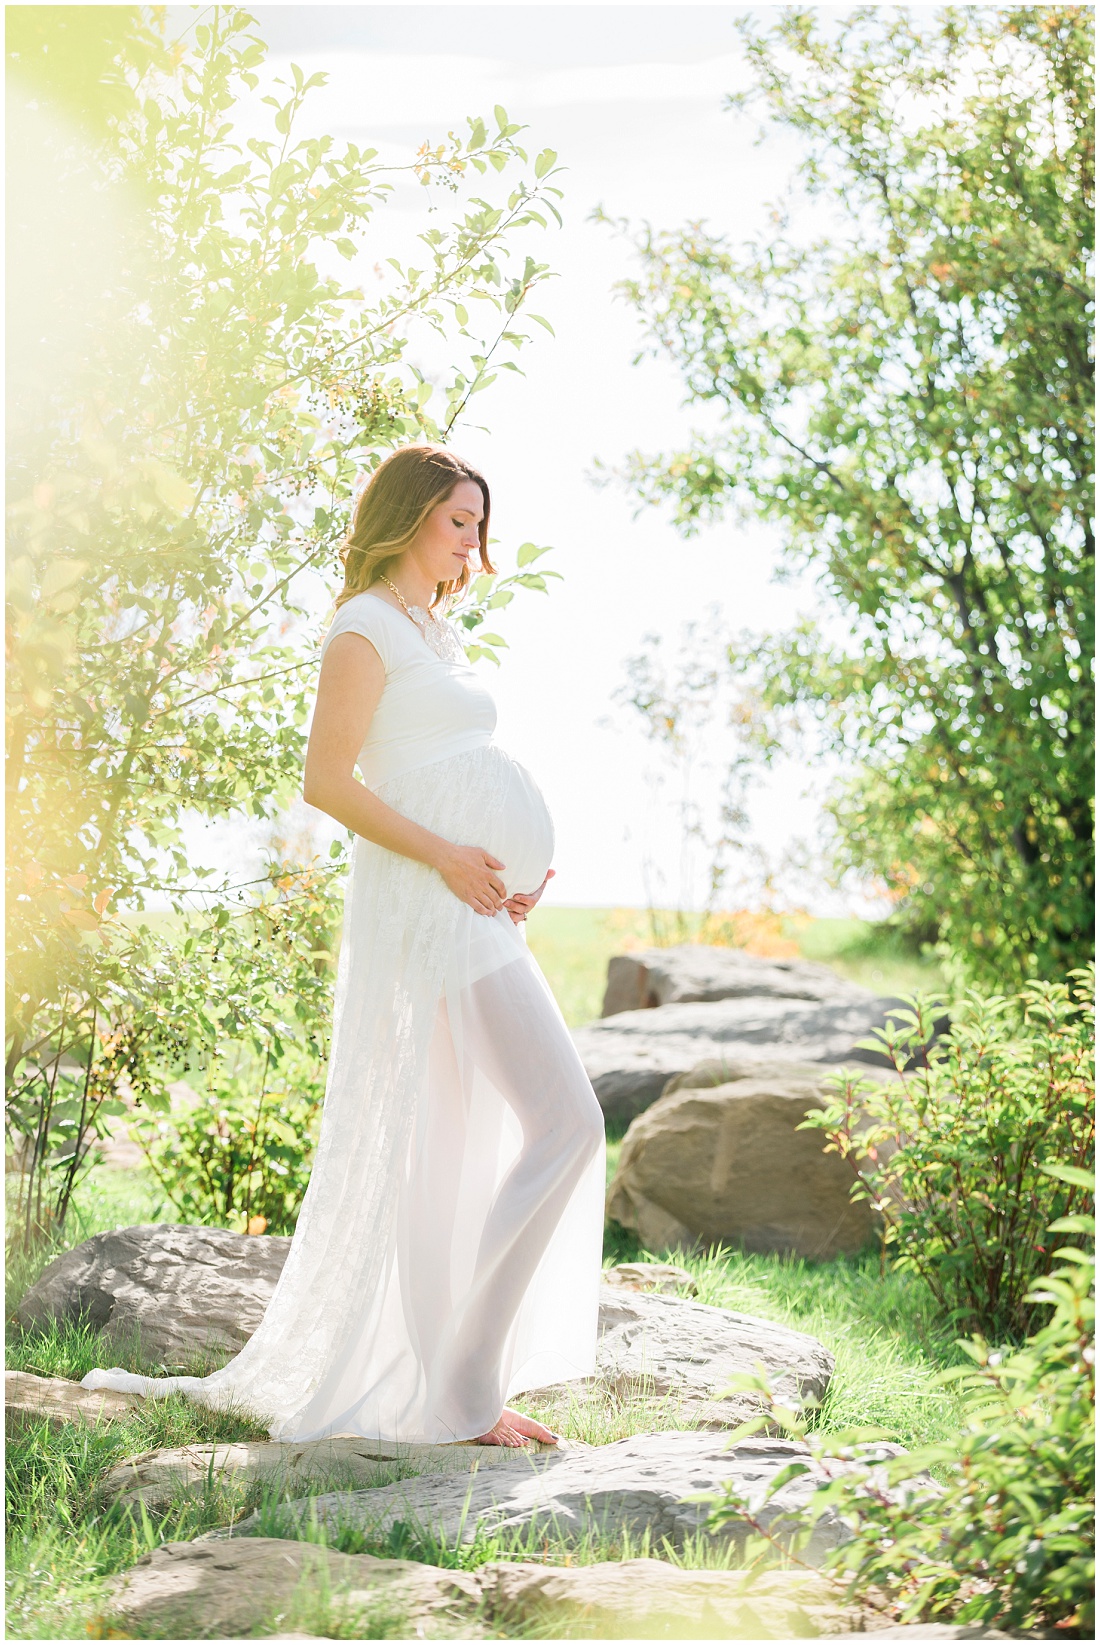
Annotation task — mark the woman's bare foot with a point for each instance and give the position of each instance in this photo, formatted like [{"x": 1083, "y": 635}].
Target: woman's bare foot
[
  {"x": 502, "y": 1433},
  {"x": 516, "y": 1429},
  {"x": 528, "y": 1426}
]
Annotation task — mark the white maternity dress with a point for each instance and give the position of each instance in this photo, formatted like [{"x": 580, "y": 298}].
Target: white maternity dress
[{"x": 447, "y": 1252}]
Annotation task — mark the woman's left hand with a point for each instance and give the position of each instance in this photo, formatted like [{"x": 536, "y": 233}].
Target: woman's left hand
[{"x": 522, "y": 903}]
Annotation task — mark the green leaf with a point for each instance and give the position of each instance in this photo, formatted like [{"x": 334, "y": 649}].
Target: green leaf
[{"x": 1072, "y": 1174}]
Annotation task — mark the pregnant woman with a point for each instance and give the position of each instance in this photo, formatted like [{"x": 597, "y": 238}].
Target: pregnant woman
[{"x": 447, "y": 1253}]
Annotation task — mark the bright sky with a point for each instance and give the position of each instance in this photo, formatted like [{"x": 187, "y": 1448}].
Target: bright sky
[{"x": 631, "y": 98}]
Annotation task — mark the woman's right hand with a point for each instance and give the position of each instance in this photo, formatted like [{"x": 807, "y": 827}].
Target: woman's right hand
[{"x": 467, "y": 870}]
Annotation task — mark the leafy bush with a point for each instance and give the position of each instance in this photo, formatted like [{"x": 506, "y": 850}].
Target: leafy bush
[
  {"x": 241, "y": 1156},
  {"x": 1008, "y": 1538},
  {"x": 952, "y": 1156},
  {"x": 238, "y": 987}
]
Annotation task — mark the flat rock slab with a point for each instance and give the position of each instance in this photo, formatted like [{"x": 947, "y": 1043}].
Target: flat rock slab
[
  {"x": 666, "y": 1350},
  {"x": 228, "y": 1590},
  {"x": 693, "y": 971},
  {"x": 28, "y": 1399},
  {"x": 631, "y": 1057},
  {"x": 649, "y": 1483},
  {"x": 174, "y": 1294},
  {"x": 156, "y": 1478},
  {"x": 685, "y": 1353}
]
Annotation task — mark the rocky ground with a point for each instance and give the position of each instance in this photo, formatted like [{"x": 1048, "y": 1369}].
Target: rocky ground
[
  {"x": 282, "y": 1569},
  {"x": 714, "y": 1058}
]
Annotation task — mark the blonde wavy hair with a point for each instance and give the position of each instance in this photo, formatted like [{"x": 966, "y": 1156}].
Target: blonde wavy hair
[{"x": 396, "y": 501}]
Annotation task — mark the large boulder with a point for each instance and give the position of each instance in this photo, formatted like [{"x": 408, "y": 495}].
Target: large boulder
[
  {"x": 191, "y": 1293},
  {"x": 631, "y": 1057},
  {"x": 171, "y": 1294},
  {"x": 727, "y": 1163},
  {"x": 692, "y": 971},
  {"x": 661, "y": 1483}
]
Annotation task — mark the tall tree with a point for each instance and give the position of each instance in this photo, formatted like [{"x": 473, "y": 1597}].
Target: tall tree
[
  {"x": 909, "y": 395},
  {"x": 195, "y": 391}
]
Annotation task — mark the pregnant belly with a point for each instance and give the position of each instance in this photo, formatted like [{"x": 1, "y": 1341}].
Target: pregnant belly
[
  {"x": 522, "y": 835},
  {"x": 483, "y": 798}
]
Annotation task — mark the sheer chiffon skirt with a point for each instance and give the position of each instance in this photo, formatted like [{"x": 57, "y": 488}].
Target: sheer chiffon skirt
[
  {"x": 492, "y": 1274},
  {"x": 447, "y": 1253}
]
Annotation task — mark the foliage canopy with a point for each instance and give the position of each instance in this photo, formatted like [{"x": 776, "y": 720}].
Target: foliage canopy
[{"x": 909, "y": 397}]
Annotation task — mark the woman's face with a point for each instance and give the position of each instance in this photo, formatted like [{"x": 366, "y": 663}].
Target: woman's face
[{"x": 448, "y": 539}]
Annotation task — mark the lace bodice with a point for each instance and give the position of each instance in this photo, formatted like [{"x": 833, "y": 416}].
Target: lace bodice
[{"x": 439, "y": 634}]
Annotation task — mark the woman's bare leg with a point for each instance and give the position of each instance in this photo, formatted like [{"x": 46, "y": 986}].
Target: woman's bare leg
[{"x": 518, "y": 1041}]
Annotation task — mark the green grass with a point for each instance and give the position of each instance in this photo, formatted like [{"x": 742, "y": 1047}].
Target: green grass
[
  {"x": 882, "y": 1328},
  {"x": 63, "y": 1542},
  {"x": 876, "y": 956},
  {"x": 537, "y": 1542}
]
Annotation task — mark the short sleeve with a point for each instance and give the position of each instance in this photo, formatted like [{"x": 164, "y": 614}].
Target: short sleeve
[{"x": 364, "y": 614}]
